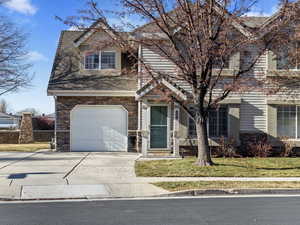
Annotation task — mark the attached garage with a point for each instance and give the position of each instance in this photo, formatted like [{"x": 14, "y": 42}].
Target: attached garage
[{"x": 99, "y": 128}]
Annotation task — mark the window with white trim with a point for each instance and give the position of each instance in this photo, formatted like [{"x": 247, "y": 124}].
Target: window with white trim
[
  {"x": 101, "y": 60},
  {"x": 288, "y": 121},
  {"x": 91, "y": 61},
  {"x": 219, "y": 64},
  {"x": 284, "y": 61},
  {"x": 108, "y": 60},
  {"x": 217, "y": 123}
]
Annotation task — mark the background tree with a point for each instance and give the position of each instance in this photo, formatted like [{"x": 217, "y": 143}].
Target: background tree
[
  {"x": 14, "y": 70},
  {"x": 198, "y": 37},
  {"x": 33, "y": 111},
  {"x": 4, "y": 106}
]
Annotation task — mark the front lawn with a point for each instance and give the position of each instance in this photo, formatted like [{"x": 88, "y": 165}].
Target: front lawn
[
  {"x": 225, "y": 167},
  {"x": 181, "y": 186},
  {"x": 24, "y": 147}
]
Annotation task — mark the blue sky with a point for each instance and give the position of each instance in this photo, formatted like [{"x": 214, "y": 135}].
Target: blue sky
[{"x": 36, "y": 17}]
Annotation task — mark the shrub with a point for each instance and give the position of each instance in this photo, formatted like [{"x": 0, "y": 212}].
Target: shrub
[
  {"x": 260, "y": 148},
  {"x": 287, "y": 147},
  {"x": 44, "y": 123},
  {"x": 226, "y": 148}
]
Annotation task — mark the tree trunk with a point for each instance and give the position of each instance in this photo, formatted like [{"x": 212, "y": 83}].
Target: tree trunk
[{"x": 204, "y": 158}]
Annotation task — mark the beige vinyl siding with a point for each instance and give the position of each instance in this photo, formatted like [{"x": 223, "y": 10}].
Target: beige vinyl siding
[
  {"x": 253, "y": 112},
  {"x": 253, "y": 108},
  {"x": 156, "y": 62}
]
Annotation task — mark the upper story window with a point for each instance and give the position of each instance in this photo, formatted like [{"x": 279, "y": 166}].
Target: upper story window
[
  {"x": 284, "y": 61},
  {"x": 218, "y": 64},
  {"x": 91, "y": 61},
  {"x": 217, "y": 123},
  {"x": 101, "y": 60},
  {"x": 108, "y": 60}
]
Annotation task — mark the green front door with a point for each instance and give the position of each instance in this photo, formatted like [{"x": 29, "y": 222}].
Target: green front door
[{"x": 158, "y": 127}]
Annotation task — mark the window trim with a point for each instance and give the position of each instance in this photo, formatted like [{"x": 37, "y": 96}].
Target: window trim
[
  {"x": 100, "y": 64},
  {"x": 288, "y": 69},
  {"x": 207, "y": 125},
  {"x": 296, "y": 138},
  {"x": 100, "y": 60},
  {"x": 84, "y": 60}
]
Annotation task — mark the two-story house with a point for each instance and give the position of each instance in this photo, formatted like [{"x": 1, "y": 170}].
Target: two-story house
[{"x": 99, "y": 107}]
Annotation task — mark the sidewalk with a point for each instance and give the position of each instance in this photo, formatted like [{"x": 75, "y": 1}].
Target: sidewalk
[
  {"x": 178, "y": 179},
  {"x": 138, "y": 187},
  {"x": 83, "y": 191}
]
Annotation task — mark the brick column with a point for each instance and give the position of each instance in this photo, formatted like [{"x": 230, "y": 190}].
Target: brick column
[{"x": 26, "y": 131}]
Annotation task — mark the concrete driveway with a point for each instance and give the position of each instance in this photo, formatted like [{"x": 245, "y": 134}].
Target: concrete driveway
[{"x": 70, "y": 175}]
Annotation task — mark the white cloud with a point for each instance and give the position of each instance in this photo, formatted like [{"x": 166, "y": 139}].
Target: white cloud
[
  {"x": 73, "y": 28},
  {"x": 22, "y": 6},
  {"x": 34, "y": 56},
  {"x": 257, "y": 12}
]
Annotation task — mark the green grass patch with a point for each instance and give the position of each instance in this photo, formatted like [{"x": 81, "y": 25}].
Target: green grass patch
[
  {"x": 24, "y": 147},
  {"x": 181, "y": 186},
  {"x": 225, "y": 167}
]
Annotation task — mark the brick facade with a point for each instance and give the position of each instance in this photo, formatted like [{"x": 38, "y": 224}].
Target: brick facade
[{"x": 65, "y": 104}]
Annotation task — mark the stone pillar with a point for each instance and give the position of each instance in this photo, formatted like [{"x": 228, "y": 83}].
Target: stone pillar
[{"x": 26, "y": 131}]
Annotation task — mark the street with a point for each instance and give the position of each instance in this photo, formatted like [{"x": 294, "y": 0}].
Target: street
[{"x": 215, "y": 211}]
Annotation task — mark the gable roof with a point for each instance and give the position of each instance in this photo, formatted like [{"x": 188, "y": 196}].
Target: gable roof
[
  {"x": 84, "y": 80},
  {"x": 151, "y": 85}
]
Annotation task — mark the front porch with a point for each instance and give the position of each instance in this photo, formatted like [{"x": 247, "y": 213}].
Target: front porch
[
  {"x": 160, "y": 126},
  {"x": 159, "y": 119}
]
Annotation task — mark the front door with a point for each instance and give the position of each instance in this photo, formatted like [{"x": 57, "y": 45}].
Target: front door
[{"x": 159, "y": 127}]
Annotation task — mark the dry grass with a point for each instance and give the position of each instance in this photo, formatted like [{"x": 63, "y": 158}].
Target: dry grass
[
  {"x": 181, "y": 186},
  {"x": 225, "y": 167},
  {"x": 24, "y": 147}
]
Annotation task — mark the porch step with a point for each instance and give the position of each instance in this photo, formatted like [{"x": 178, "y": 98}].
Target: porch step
[{"x": 159, "y": 152}]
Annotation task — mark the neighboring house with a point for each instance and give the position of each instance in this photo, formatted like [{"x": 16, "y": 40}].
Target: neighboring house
[
  {"x": 99, "y": 109},
  {"x": 8, "y": 121}
]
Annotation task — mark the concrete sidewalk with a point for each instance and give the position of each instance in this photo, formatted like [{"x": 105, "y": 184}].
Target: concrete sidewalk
[
  {"x": 178, "y": 179},
  {"x": 81, "y": 191},
  {"x": 53, "y": 175}
]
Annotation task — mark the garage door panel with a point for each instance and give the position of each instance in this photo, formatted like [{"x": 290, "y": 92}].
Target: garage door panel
[{"x": 99, "y": 128}]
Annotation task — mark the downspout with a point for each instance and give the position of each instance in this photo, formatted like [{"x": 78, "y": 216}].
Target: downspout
[
  {"x": 139, "y": 86},
  {"x": 55, "y": 114},
  {"x": 139, "y": 102}
]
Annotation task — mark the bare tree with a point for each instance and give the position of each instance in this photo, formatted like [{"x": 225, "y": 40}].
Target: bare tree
[
  {"x": 33, "y": 111},
  {"x": 14, "y": 70},
  {"x": 4, "y": 107},
  {"x": 198, "y": 37}
]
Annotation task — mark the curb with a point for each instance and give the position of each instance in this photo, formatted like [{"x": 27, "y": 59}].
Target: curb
[
  {"x": 201, "y": 192},
  {"x": 187, "y": 193}
]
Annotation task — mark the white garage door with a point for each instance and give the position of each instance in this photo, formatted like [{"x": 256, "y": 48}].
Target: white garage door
[{"x": 99, "y": 128}]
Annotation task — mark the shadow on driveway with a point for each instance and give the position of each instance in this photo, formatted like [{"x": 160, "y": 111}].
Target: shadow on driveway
[{"x": 24, "y": 175}]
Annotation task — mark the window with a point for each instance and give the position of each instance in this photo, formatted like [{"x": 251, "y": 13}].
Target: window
[
  {"x": 101, "y": 60},
  {"x": 288, "y": 121},
  {"x": 218, "y": 64},
  {"x": 108, "y": 60},
  {"x": 217, "y": 123},
  {"x": 283, "y": 58},
  {"x": 91, "y": 62}
]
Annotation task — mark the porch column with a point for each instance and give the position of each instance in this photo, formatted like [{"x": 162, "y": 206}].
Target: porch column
[
  {"x": 176, "y": 130},
  {"x": 144, "y": 129}
]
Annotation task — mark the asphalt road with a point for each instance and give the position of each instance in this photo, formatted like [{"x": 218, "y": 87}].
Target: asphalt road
[{"x": 223, "y": 211}]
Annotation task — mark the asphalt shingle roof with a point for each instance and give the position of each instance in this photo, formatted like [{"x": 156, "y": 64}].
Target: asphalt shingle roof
[{"x": 66, "y": 74}]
